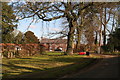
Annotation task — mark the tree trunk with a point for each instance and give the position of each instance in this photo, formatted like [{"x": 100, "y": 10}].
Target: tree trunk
[
  {"x": 100, "y": 35},
  {"x": 104, "y": 39},
  {"x": 70, "y": 40},
  {"x": 79, "y": 29},
  {"x": 96, "y": 35},
  {"x": 78, "y": 37}
]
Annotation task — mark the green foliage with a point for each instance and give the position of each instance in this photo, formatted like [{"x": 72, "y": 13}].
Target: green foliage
[
  {"x": 8, "y": 38},
  {"x": 5, "y": 54},
  {"x": 42, "y": 49},
  {"x": 114, "y": 40},
  {"x": 18, "y": 38},
  {"x": 105, "y": 48},
  {"x": 8, "y": 23},
  {"x": 30, "y": 37}
]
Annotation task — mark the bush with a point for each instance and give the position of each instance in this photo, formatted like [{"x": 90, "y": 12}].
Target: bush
[
  {"x": 106, "y": 48},
  {"x": 5, "y": 54},
  {"x": 42, "y": 49}
]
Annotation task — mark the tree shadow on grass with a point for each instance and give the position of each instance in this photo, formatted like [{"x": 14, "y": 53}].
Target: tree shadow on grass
[
  {"x": 74, "y": 59},
  {"x": 60, "y": 71},
  {"x": 77, "y": 64},
  {"x": 25, "y": 58},
  {"x": 12, "y": 66},
  {"x": 51, "y": 72},
  {"x": 16, "y": 67}
]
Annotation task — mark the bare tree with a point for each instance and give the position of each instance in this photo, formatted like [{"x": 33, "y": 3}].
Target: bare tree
[
  {"x": 48, "y": 11},
  {"x": 75, "y": 13}
]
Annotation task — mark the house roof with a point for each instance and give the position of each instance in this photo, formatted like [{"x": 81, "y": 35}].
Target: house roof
[
  {"x": 55, "y": 41},
  {"x": 32, "y": 44},
  {"x": 12, "y": 44},
  {"x": 7, "y": 44}
]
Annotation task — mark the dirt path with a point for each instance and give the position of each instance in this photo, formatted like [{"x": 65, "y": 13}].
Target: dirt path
[{"x": 107, "y": 68}]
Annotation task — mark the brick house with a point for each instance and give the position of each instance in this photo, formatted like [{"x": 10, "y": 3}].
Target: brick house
[{"x": 53, "y": 44}]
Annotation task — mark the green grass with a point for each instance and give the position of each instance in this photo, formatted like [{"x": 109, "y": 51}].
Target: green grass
[
  {"x": 55, "y": 53},
  {"x": 50, "y": 65},
  {"x": 112, "y": 53}
]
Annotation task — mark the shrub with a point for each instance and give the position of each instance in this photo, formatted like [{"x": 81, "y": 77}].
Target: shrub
[{"x": 42, "y": 49}]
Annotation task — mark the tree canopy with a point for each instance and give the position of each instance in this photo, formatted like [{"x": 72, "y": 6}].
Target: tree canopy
[
  {"x": 114, "y": 40},
  {"x": 8, "y": 23},
  {"x": 79, "y": 15},
  {"x": 30, "y": 37}
]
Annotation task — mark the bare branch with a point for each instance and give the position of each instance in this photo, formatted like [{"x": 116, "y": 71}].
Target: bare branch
[
  {"x": 50, "y": 19},
  {"x": 109, "y": 16}
]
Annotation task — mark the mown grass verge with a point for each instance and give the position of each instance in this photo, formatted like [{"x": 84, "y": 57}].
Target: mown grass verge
[{"x": 44, "y": 66}]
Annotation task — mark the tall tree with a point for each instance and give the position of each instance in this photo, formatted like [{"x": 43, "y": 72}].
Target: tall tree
[
  {"x": 30, "y": 37},
  {"x": 113, "y": 41},
  {"x": 80, "y": 27},
  {"x": 18, "y": 38},
  {"x": 105, "y": 13},
  {"x": 50, "y": 11},
  {"x": 107, "y": 10},
  {"x": 8, "y": 23}
]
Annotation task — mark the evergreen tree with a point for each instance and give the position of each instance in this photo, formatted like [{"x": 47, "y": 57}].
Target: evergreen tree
[
  {"x": 18, "y": 38},
  {"x": 8, "y": 23},
  {"x": 114, "y": 40}
]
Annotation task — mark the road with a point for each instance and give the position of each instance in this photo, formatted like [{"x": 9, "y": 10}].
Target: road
[{"x": 107, "y": 68}]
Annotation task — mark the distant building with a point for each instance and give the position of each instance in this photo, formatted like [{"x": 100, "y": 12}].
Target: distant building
[{"x": 53, "y": 44}]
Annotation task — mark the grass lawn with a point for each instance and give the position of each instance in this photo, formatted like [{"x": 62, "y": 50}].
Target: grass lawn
[
  {"x": 113, "y": 53},
  {"x": 55, "y": 53},
  {"x": 52, "y": 65}
]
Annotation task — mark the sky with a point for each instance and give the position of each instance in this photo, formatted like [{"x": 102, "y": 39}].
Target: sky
[{"x": 40, "y": 29}]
